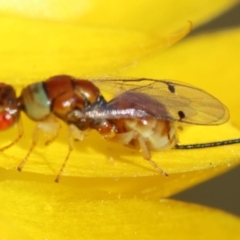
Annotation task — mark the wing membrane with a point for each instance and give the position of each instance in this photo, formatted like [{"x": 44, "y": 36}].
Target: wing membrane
[{"x": 161, "y": 99}]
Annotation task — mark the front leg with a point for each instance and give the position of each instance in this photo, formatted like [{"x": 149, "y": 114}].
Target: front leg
[{"x": 48, "y": 126}]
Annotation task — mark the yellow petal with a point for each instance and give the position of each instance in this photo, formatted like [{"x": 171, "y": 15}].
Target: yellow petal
[
  {"x": 33, "y": 50},
  {"x": 62, "y": 211},
  {"x": 208, "y": 61},
  {"x": 104, "y": 206},
  {"x": 120, "y": 13},
  {"x": 8, "y": 230}
]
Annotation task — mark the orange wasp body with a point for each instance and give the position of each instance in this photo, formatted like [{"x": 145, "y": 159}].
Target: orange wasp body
[{"x": 141, "y": 114}]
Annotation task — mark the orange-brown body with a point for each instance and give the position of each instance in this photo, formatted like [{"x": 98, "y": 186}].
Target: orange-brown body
[{"x": 141, "y": 115}]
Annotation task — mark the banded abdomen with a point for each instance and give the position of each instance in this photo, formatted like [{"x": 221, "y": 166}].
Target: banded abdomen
[{"x": 156, "y": 134}]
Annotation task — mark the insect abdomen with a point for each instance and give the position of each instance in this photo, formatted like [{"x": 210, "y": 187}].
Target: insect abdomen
[{"x": 157, "y": 134}]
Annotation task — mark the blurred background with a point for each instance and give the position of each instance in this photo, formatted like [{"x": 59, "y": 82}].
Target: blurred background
[{"x": 222, "y": 192}]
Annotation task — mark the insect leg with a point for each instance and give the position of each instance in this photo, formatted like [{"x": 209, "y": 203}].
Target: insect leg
[
  {"x": 55, "y": 126},
  {"x": 48, "y": 126},
  {"x": 147, "y": 156},
  {"x": 34, "y": 143},
  {"x": 122, "y": 138},
  {"x": 74, "y": 133},
  {"x": 20, "y": 134}
]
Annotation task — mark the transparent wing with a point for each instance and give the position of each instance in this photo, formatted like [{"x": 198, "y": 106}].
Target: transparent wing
[{"x": 161, "y": 99}]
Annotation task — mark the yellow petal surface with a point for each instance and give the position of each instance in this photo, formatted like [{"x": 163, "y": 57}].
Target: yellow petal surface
[
  {"x": 120, "y": 13},
  {"x": 62, "y": 211},
  {"x": 107, "y": 190},
  {"x": 33, "y": 50}
]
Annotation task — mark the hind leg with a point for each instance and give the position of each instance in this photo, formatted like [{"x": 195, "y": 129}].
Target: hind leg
[
  {"x": 122, "y": 138},
  {"x": 146, "y": 154},
  {"x": 126, "y": 138}
]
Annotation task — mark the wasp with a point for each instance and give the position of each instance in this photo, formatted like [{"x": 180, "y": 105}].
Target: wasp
[{"x": 142, "y": 114}]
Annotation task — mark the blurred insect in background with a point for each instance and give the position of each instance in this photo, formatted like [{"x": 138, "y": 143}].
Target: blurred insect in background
[{"x": 141, "y": 114}]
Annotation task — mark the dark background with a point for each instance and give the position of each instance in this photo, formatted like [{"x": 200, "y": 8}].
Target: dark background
[{"x": 222, "y": 192}]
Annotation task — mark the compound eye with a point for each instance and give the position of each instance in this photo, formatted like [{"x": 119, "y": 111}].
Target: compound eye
[{"x": 6, "y": 120}]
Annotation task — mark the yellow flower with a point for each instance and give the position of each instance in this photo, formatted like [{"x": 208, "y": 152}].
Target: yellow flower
[{"x": 109, "y": 191}]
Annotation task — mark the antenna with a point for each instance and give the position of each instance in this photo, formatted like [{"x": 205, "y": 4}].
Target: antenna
[{"x": 208, "y": 145}]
